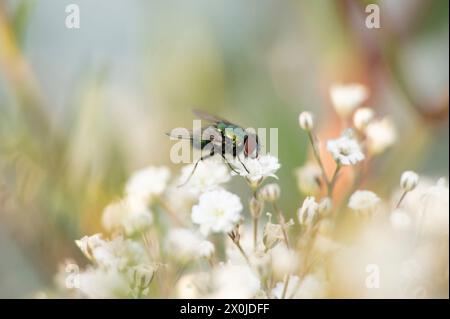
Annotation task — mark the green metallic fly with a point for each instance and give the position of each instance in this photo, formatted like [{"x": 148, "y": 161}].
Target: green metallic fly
[{"x": 221, "y": 137}]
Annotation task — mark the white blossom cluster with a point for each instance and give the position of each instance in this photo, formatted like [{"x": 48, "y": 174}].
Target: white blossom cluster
[{"x": 202, "y": 240}]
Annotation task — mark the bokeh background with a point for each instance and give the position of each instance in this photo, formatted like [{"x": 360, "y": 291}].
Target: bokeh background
[{"x": 82, "y": 108}]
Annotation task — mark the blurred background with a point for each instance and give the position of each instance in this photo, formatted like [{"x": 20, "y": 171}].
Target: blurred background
[{"x": 80, "y": 109}]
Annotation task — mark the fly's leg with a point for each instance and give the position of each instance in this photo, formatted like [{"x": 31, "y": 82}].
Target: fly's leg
[
  {"x": 195, "y": 167},
  {"x": 236, "y": 155},
  {"x": 229, "y": 165},
  {"x": 243, "y": 165}
]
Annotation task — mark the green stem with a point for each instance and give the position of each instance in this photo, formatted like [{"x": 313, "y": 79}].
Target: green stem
[
  {"x": 317, "y": 156},
  {"x": 255, "y": 233},
  {"x": 332, "y": 183}
]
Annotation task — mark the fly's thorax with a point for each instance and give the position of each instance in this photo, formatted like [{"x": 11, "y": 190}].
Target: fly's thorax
[{"x": 234, "y": 133}]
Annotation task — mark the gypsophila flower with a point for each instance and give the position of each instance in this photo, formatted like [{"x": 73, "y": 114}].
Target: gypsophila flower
[
  {"x": 363, "y": 200},
  {"x": 409, "y": 181},
  {"x": 209, "y": 174},
  {"x": 141, "y": 276},
  {"x": 306, "y": 121},
  {"x": 103, "y": 283},
  {"x": 217, "y": 211},
  {"x": 309, "y": 178},
  {"x": 206, "y": 249},
  {"x": 293, "y": 285},
  {"x": 362, "y": 117},
  {"x": 380, "y": 135},
  {"x": 148, "y": 182},
  {"x": 345, "y": 150},
  {"x": 285, "y": 261},
  {"x": 311, "y": 287},
  {"x": 308, "y": 212},
  {"x": 185, "y": 244},
  {"x": 117, "y": 253},
  {"x": 400, "y": 220},
  {"x": 129, "y": 215},
  {"x": 193, "y": 286},
  {"x": 346, "y": 98},
  {"x": 235, "y": 281},
  {"x": 434, "y": 210},
  {"x": 259, "y": 168},
  {"x": 270, "y": 192},
  {"x": 88, "y": 244}
]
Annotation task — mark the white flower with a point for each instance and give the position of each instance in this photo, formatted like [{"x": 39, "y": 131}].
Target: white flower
[
  {"x": 306, "y": 121},
  {"x": 193, "y": 286},
  {"x": 142, "y": 275},
  {"x": 409, "y": 181},
  {"x": 130, "y": 215},
  {"x": 345, "y": 150},
  {"x": 346, "y": 98},
  {"x": 206, "y": 249},
  {"x": 148, "y": 182},
  {"x": 270, "y": 192},
  {"x": 88, "y": 244},
  {"x": 380, "y": 135},
  {"x": 235, "y": 281},
  {"x": 208, "y": 175},
  {"x": 307, "y": 213},
  {"x": 363, "y": 200},
  {"x": 116, "y": 254},
  {"x": 185, "y": 244},
  {"x": 259, "y": 168},
  {"x": 284, "y": 260},
  {"x": 309, "y": 178},
  {"x": 362, "y": 117},
  {"x": 434, "y": 217},
  {"x": 103, "y": 283},
  {"x": 293, "y": 284},
  {"x": 217, "y": 211},
  {"x": 400, "y": 220},
  {"x": 311, "y": 287}
]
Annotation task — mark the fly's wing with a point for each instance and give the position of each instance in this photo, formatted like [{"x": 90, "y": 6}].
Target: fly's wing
[
  {"x": 210, "y": 117},
  {"x": 200, "y": 138},
  {"x": 213, "y": 137}
]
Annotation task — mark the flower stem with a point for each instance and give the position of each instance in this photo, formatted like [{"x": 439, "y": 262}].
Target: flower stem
[
  {"x": 317, "y": 156},
  {"x": 255, "y": 233},
  {"x": 238, "y": 245},
  {"x": 332, "y": 183},
  {"x": 286, "y": 283},
  {"x": 401, "y": 199}
]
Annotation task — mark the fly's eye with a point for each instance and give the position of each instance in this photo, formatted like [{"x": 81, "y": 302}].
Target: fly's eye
[{"x": 251, "y": 145}]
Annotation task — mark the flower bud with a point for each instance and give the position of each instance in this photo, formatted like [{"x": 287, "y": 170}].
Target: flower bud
[
  {"x": 273, "y": 234},
  {"x": 206, "y": 249},
  {"x": 409, "y": 181},
  {"x": 142, "y": 276},
  {"x": 306, "y": 121},
  {"x": 363, "y": 116},
  {"x": 256, "y": 207},
  {"x": 307, "y": 213},
  {"x": 324, "y": 206},
  {"x": 269, "y": 193}
]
